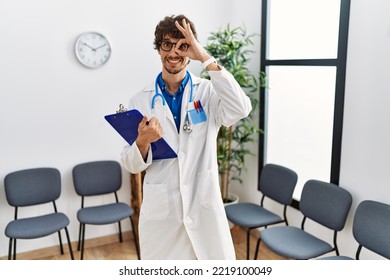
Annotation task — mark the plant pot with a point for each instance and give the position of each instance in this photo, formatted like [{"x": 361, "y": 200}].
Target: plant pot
[{"x": 233, "y": 199}]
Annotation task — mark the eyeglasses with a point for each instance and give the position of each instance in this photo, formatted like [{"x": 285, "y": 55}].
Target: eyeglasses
[{"x": 167, "y": 46}]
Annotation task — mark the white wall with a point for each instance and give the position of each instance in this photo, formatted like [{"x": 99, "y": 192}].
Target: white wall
[
  {"x": 52, "y": 108},
  {"x": 365, "y": 157}
]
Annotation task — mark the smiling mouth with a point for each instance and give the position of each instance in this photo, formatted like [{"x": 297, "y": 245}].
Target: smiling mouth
[{"x": 174, "y": 60}]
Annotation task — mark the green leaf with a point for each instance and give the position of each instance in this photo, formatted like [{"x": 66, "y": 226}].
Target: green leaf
[{"x": 233, "y": 49}]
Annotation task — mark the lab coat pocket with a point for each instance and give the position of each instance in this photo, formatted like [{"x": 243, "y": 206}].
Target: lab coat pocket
[
  {"x": 208, "y": 192},
  {"x": 155, "y": 204}
]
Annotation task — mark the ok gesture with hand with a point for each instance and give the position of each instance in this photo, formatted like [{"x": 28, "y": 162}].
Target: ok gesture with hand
[{"x": 195, "y": 50}]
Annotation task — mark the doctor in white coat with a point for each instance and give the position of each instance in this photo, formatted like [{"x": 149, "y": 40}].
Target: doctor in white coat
[{"x": 182, "y": 214}]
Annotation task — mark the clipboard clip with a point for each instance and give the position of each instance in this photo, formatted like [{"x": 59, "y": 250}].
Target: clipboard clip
[{"x": 121, "y": 109}]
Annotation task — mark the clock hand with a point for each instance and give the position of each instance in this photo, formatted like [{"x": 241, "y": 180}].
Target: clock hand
[
  {"x": 100, "y": 47},
  {"x": 85, "y": 44}
]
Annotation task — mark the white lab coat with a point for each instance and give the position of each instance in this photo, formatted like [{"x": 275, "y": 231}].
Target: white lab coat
[{"x": 182, "y": 214}]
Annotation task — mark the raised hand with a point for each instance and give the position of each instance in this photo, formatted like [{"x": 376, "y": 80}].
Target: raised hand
[{"x": 195, "y": 50}]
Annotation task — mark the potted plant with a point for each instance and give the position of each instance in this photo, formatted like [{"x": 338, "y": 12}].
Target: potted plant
[{"x": 229, "y": 46}]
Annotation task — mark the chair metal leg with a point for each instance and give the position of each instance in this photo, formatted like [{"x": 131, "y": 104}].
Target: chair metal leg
[
  {"x": 257, "y": 248},
  {"x": 10, "y": 248},
  {"x": 69, "y": 244},
  {"x": 358, "y": 252},
  {"x": 136, "y": 241},
  {"x": 15, "y": 248},
  {"x": 120, "y": 232},
  {"x": 336, "y": 248},
  {"x": 82, "y": 241},
  {"x": 79, "y": 244},
  {"x": 61, "y": 247},
  {"x": 248, "y": 233}
]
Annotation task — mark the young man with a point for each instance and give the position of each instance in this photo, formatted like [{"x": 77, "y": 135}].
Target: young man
[{"x": 182, "y": 214}]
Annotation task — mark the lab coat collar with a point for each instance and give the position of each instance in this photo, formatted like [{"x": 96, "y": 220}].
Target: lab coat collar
[{"x": 195, "y": 80}]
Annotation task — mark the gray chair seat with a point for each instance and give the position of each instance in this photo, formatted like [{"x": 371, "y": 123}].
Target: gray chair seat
[
  {"x": 276, "y": 183},
  {"x": 326, "y": 204},
  {"x": 35, "y": 227},
  {"x": 94, "y": 179},
  {"x": 294, "y": 243},
  {"x": 104, "y": 214},
  {"x": 34, "y": 187},
  {"x": 371, "y": 229},
  {"x": 251, "y": 215}
]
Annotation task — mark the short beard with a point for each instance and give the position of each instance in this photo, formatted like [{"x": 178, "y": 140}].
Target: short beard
[{"x": 174, "y": 71}]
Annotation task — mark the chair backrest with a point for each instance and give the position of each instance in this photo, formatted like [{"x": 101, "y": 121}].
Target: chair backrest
[
  {"x": 97, "y": 177},
  {"x": 325, "y": 203},
  {"x": 278, "y": 183},
  {"x": 32, "y": 186},
  {"x": 371, "y": 227}
]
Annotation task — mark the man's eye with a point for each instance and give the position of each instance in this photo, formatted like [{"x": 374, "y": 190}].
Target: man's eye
[
  {"x": 183, "y": 47},
  {"x": 167, "y": 44}
]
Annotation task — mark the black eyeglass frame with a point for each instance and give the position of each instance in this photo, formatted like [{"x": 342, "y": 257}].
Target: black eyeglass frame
[{"x": 183, "y": 47}]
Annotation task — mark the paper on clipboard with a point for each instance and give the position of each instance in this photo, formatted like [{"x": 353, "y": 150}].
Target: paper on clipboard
[{"x": 126, "y": 124}]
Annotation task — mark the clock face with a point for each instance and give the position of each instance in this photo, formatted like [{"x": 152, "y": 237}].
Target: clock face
[{"x": 92, "y": 49}]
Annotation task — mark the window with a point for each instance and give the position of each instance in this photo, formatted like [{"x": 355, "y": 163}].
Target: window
[{"x": 303, "y": 52}]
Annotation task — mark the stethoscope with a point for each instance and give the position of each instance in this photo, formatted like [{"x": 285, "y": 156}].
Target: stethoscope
[{"x": 187, "y": 127}]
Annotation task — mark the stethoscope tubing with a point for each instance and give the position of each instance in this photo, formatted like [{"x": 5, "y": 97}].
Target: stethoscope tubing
[{"x": 187, "y": 125}]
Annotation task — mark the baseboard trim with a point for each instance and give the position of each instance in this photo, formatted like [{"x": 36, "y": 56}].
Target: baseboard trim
[{"x": 54, "y": 250}]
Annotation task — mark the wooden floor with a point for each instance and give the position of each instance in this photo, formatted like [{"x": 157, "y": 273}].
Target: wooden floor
[
  {"x": 111, "y": 249},
  {"x": 239, "y": 239}
]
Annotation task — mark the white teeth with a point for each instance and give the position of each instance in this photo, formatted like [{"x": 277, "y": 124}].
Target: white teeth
[{"x": 174, "y": 60}]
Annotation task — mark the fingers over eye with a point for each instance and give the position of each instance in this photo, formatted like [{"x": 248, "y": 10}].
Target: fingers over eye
[{"x": 179, "y": 26}]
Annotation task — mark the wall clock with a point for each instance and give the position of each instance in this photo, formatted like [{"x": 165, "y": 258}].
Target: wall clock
[{"x": 92, "y": 49}]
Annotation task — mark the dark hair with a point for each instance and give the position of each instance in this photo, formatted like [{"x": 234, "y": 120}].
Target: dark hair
[{"x": 167, "y": 27}]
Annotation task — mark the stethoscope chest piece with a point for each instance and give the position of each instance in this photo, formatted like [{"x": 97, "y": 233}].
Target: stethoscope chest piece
[{"x": 187, "y": 127}]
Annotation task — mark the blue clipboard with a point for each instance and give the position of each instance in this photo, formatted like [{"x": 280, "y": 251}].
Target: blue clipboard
[{"x": 126, "y": 124}]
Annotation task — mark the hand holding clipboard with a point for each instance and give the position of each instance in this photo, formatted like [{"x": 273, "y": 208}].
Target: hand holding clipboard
[{"x": 126, "y": 124}]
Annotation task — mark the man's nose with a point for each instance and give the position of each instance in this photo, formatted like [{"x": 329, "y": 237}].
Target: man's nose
[{"x": 173, "y": 50}]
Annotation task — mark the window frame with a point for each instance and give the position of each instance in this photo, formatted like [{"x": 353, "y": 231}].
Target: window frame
[{"x": 339, "y": 63}]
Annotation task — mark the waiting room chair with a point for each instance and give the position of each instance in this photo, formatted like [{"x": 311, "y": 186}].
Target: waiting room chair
[
  {"x": 276, "y": 183},
  {"x": 371, "y": 229},
  {"x": 324, "y": 203},
  {"x": 95, "y": 179},
  {"x": 33, "y": 187}
]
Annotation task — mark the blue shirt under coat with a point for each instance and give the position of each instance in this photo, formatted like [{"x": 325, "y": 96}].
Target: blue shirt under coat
[{"x": 174, "y": 101}]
